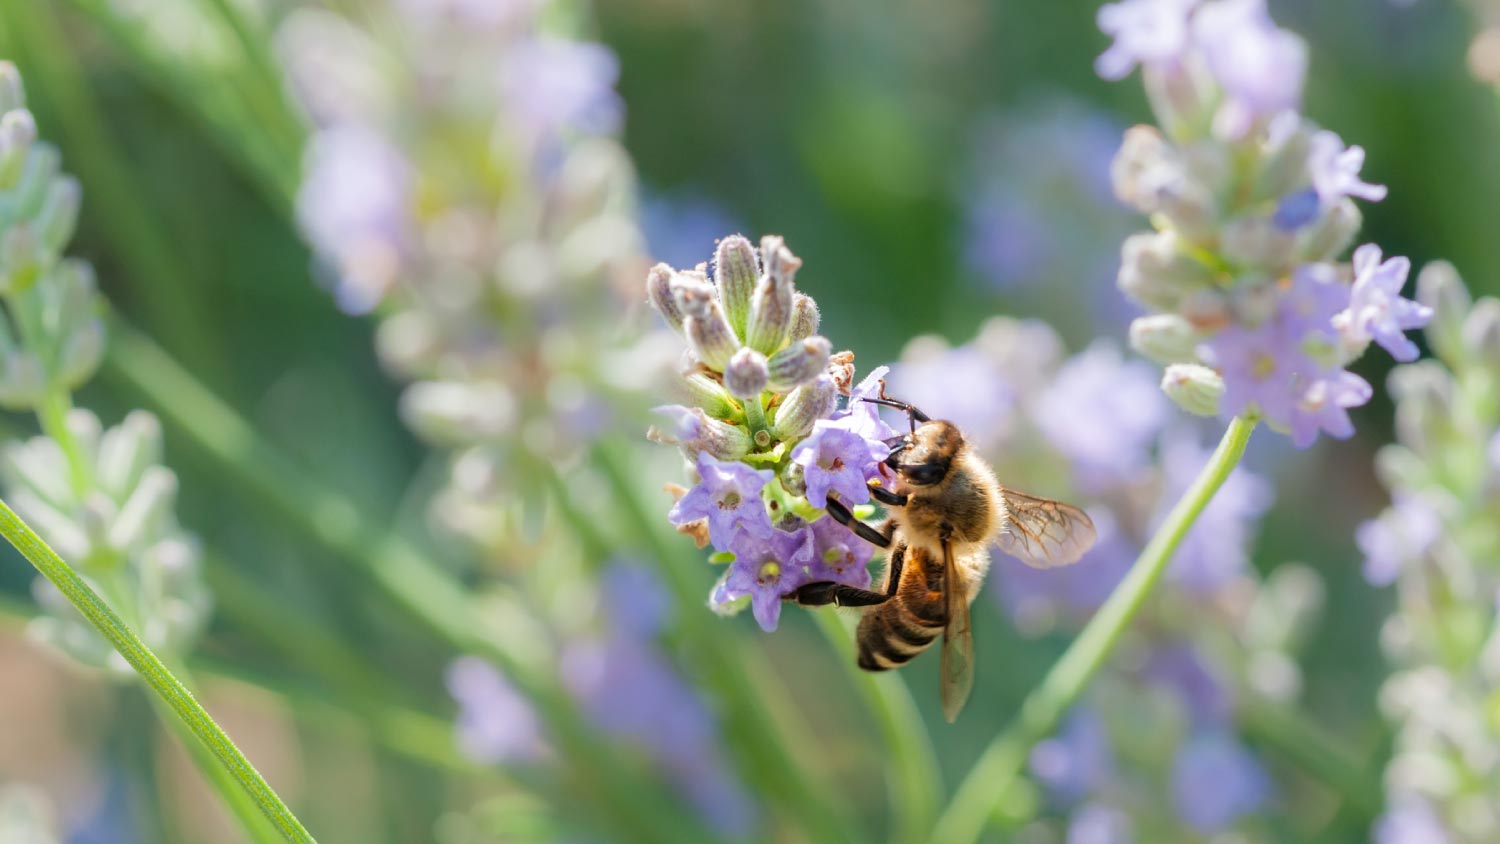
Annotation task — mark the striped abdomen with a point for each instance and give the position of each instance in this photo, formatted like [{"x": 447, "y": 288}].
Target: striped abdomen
[{"x": 892, "y": 633}]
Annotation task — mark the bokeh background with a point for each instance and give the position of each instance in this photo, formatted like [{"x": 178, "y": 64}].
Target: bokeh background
[{"x": 934, "y": 165}]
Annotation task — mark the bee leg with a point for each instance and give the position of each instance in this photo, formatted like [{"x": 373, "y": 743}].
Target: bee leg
[
  {"x": 828, "y": 592},
  {"x": 885, "y": 496},
  {"x": 844, "y": 516}
]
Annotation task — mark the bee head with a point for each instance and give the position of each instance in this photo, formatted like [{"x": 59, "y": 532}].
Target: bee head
[{"x": 923, "y": 457}]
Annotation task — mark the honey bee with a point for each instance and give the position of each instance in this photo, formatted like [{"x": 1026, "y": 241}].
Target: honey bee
[{"x": 946, "y": 509}]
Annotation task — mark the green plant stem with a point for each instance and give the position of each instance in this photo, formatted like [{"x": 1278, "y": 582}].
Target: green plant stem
[
  {"x": 913, "y": 779},
  {"x": 1308, "y": 746},
  {"x": 150, "y": 667},
  {"x": 1000, "y": 764}
]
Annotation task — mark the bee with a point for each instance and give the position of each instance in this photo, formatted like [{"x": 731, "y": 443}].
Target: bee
[{"x": 945, "y": 511}]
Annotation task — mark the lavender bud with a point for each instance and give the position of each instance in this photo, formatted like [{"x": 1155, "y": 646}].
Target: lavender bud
[
  {"x": 1196, "y": 389},
  {"x": 20, "y": 258},
  {"x": 457, "y": 412},
  {"x": 17, "y": 134},
  {"x": 1331, "y": 234},
  {"x": 1481, "y": 332},
  {"x": 770, "y": 315},
  {"x": 1164, "y": 338},
  {"x": 1154, "y": 272},
  {"x": 803, "y": 407},
  {"x": 59, "y": 214},
  {"x": 1180, "y": 93},
  {"x": 1283, "y": 167},
  {"x": 709, "y": 335},
  {"x": 735, "y": 270},
  {"x": 1257, "y": 241},
  {"x": 693, "y": 431},
  {"x": 799, "y": 363},
  {"x": 746, "y": 375},
  {"x": 659, "y": 293},
  {"x": 140, "y": 517},
  {"x": 780, "y": 264},
  {"x": 805, "y": 317},
  {"x": 1425, "y": 403},
  {"x": 698, "y": 390},
  {"x": 1151, "y": 176},
  {"x": 12, "y": 92},
  {"x": 23, "y": 383},
  {"x": 126, "y": 450},
  {"x": 1440, "y": 288}
]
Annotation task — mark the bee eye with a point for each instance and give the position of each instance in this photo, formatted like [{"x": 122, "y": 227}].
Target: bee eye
[{"x": 923, "y": 474}]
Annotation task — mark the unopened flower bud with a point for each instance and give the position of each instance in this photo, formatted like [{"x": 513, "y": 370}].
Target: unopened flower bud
[
  {"x": 1330, "y": 235},
  {"x": 1164, "y": 338},
  {"x": 1283, "y": 165},
  {"x": 456, "y": 412},
  {"x": 1258, "y": 242},
  {"x": 1425, "y": 399},
  {"x": 1150, "y": 175},
  {"x": 779, "y": 262},
  {"x": 141, "y": 515},
  {"x": 12, "y": 92},
  {"x": 1481, "y": 332},
  {"x": 735, "y": 270},
  {"x": 1154, "y": 272},
  {"x": 1196, "y": 389},
  {"x": 17, "y": 134},
  {"x": 59, "y": 214},
  {"x": 770, "y": 315},
  {"x": 126, "y": 450},
  {"x": 709, "y": 336},
  {"x": 698, "y": 390},
  {"x": 746, "y": 374},
  {"x": 805, "y": 317},
  {"x": 1440, "y": 288},
  {"x": 799, "y": 363},
  {"x": 659, "y": 293},
  {"x": 803, "y": 407},
  {"x": 693, "y": 431},
  {"x": 20, "y": 258},
  {"x": 1180, "y": 93}
]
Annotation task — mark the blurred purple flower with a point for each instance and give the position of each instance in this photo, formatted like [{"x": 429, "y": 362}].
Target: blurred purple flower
[
  {"x": 1179, "y": 669},
  {"x": 765, "y": 570},
  {"x": 1098, "y": 823},
  {"x": 1215, "y": 550},
  {"x": 729, "y": 497},
  {"x": 1376, "y": 309},
  {"x": 354, "y": 207},
  {"x": 1410, "y": 821},
  {"x": 1078, "y": 761},
  {"x": 496, "y": 724},
  {"x": 838, "y": 555},
  {"x": 1259, "y": 65},
  {"x": 836, "y": 459},
  {"x": 682, "y": 228},
  {"x": 962, "y": 385},
  {"x": 1007, "y": 242},
  {"x": 470, "y": 14},
  {"x": 1258, "y": 365},
  {"x": 1099, "y": 384},
  {"x": 1335, "y": 170},
  {"x": 1401, "y": 536},
  {"x": 1216, "y": 781},
  {"x": 1145, "y": 32},
  {"x": 638, "y": 604},
  {"x": 1324, "y": 406},
  {"x": 556, "y": 86}
]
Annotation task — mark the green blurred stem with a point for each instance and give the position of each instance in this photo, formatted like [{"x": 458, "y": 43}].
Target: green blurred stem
[
  {"x": 1310, "y": 747},
  {"x": 1000, "y": 764},
  {"x": 913, "y": 779},
  {"x": 150, "y": 667}
]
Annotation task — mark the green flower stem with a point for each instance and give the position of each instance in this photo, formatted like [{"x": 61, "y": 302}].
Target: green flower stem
[
  {"x": 999, "y": 766},
  {"x": 913, "y": 779},
  {"x": 744, "y": 686},
  {"x": 52, "y": 416},
  {"x": 1308, "y": 746},
  {"x": 163, "y": 682},
  {"x": 402, "y": 574}
]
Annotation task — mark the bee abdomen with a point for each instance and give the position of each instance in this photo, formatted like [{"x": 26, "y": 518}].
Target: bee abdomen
[{"x": 890, "y": 637}]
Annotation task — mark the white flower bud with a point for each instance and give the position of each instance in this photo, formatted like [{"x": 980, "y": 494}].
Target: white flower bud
[
  {"x": 1153, "y": 177},
  {"x": 693, "y": 431},
  {"x": 457, "y": 412},
  {"x": 1164, "y": 338},
  {"x": 735, "y": 270},
  {"x": 770, "y": 315},
  {"x": 805, "y": 317},
  {"x": 1331, "y": 234},
  {"x": 746, "y": 375},
  {"x": 1257, "y": 241},
  {"x": 1481, "y": 332},
  {"x": 803, "y": 407},
  {"x": 1440, "y": 288},
  {"x": 59, "y": 214},
  {"x": 799, "y": 363},
  {"x": 1196, "y": 389},
  {"x": 698, "y": 390},
  {"x": 659, "y": 294},
  {"x": 17, "y": 134},
  {"x": 1154, "y": 272},
  {"x": 143, "y": 512},
  {"x": 126, "y": 450}
]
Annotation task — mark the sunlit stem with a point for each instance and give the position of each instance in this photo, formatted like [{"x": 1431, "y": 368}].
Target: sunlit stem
[{"x": 999, "y": 767}]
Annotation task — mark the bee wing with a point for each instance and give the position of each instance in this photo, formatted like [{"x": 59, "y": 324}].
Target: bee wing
[
  {"x": 958, "y": 641},
  {"x": 1044, "y": 533}
]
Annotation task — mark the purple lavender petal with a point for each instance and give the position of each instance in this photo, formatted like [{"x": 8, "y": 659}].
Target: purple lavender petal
[
  {"x": 836, "y": 459},
  {"x": 729, "y": 497},
  {"x": 1145, "y": 32},
  {"x": 1376, "y": 308},
  {"x": 496, "y": 724},
  {"x": 1215, "y": 781}
]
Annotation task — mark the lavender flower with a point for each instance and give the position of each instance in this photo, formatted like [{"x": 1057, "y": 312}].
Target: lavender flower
[
  {"x": 1215, "y": 780},
  {"x": 1098, "y": 384},
  {"x": 1078, "y": 761},
  {"x": 1251, "y": 205},
  {"x": 1435, "y": 545},
  {"x": 768, "y": 520},
  {"x": 496, "y": 724}
]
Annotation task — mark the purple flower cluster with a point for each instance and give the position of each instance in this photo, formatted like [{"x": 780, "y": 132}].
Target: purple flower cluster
[
  {"x": 627, "y": 687},
  {"x": 1252, "y": 311},
  {"x": 763, "y": 430}
]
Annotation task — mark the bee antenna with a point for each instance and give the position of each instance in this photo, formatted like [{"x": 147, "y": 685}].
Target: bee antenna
[{"x": 912, "y": 414}]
